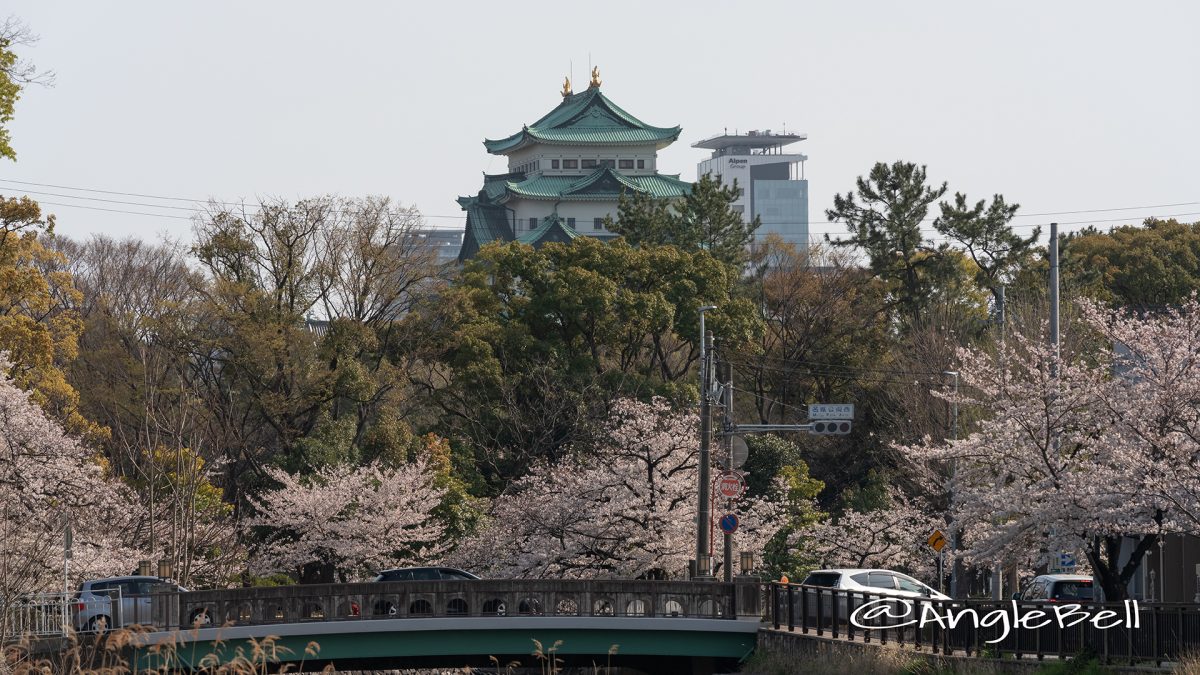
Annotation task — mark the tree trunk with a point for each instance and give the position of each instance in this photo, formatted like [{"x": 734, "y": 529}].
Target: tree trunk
[{"x": 1105, "y": 557}]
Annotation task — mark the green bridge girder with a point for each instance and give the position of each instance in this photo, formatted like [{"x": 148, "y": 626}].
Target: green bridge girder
[{"x": 454, "y": 641}]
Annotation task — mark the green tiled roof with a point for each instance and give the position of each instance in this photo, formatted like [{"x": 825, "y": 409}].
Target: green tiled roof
[
  {"x": 485, "y": 223},
  {"x": 602, "y": 184},
  {"x": 552, "y": 228},
  {"x": 586, "y": 118}
]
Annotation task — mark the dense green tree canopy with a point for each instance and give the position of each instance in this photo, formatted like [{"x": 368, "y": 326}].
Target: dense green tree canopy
[
  {"x": 1151, "y": 266},
  {"x": 537, "y": 340}
]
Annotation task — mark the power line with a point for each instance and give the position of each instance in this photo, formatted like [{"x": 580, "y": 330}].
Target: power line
[
  {"x": 133, "y": 213},
  {"x": 463, "y": 216},
  {"x": 141, "y": 195}
]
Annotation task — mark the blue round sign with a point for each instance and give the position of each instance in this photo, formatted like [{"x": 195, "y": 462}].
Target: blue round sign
[{"x": 728, "y": 523}]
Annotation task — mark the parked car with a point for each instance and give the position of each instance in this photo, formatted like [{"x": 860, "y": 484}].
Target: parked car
[
  {"x": 425, "y": 574},
  {"x": 115, "y": 602},
  {"x": 1070, "y": 588},
  {"x": 887, "y": 582}
]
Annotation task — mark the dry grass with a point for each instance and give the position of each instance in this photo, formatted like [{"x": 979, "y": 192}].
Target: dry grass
[
  {"x": 835, "y": 659},
  {"x": 114, "y": 654}
]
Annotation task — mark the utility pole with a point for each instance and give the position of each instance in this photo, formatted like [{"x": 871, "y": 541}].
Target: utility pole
[
  {"x": 726, "y": 375},
  {"x": 956, "y": 569},
  {"x": 1054, "y": 296},
  {"x": 703, "y": 513}
]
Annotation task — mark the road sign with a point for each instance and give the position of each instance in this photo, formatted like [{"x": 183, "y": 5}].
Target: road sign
[
  {"x": 937, "y": 540},
  {"x": 730, "y": 485},
  {"x": 728, "y": 523},
  {"x": 1066, "y": 563},
  {"x": 740, "y": 453},
  {"x": 831, "y": 411}
]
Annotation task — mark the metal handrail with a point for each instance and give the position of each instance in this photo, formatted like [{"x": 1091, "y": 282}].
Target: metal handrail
[{"x": 1129, "y": 633}]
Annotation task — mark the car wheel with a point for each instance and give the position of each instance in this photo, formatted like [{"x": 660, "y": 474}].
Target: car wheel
[
  {"x": 199, "y": 618},
  {"x": 99, "y": 624}
]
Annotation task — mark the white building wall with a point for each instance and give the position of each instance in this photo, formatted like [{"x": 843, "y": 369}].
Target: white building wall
[{"x": 544, "y": 154}]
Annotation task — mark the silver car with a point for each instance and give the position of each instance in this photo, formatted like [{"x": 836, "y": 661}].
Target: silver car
[{"x": 115, "y": 602}]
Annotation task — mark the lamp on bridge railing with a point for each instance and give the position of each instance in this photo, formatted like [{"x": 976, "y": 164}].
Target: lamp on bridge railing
[
  {"x": 145, "y": 568},
  {"x": 704, "y": 567},
  {"x": 164, "y": 568},
  {"x": 747, "y": 560}
]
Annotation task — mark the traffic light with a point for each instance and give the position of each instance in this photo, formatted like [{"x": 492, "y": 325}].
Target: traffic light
[{"x": 840, "y": 427}]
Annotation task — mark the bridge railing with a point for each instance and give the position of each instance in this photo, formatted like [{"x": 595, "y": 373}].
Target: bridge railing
[
  {"x": 1115, "y": 632},
  {"x": 456, "y": 599},
  {"x": 40, "y": 615}
]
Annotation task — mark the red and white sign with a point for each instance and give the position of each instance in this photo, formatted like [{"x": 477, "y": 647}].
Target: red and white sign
[{"x": 731, "y": 485}]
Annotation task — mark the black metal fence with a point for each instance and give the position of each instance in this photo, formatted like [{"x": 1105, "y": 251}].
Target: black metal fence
[{"x": 1125, "y": 632}]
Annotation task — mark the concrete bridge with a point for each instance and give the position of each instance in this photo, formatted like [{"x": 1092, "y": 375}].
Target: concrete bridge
[{"x": 657, "y": 626}]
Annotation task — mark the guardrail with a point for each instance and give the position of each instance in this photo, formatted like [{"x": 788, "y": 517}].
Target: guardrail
[{"x": 1129, "y": 632}]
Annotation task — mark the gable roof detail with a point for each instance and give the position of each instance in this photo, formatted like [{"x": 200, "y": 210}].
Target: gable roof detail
[
  {"x": 586, "y": 118},
  {"x": 552, "y": 228}
]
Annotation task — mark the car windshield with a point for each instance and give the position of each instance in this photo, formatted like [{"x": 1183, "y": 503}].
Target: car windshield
[
  {"x": 1073, "y": 590},
  {"x": 828, "y": 579}
]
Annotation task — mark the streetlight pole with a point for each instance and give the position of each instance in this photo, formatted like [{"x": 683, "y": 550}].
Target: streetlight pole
[{"x": 703, "y": 514}]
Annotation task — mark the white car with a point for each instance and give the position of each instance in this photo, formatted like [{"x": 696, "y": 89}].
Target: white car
[{"x": 887, "y": 582}]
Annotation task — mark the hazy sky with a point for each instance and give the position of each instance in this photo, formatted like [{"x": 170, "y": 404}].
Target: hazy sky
[{"x": 1060, "y": 106}]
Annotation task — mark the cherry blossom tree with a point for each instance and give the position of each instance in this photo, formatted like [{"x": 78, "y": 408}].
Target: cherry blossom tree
[
  {"x": 893, "y": 536},
  {"x": 47, "y": 480},
  {"x": 1153, "y": 400},
  {"x": 1055, "y": 466},
  {"x": 347, "y": 522},
  {"x": 625, "y": 507}
]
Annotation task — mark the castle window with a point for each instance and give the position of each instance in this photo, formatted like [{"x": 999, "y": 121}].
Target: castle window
[
  {"x": 554, "y": 164},
  {"x": 641, "y": 163},
  {"x": 589, "y": 164},
  {"x": 598, "y": 224},
  {"x": 610, "y": 163},
  {"x": 570, "y": 164},
  {"x": 571, "y": 223},
  {"x": 533, "y": 223},
  {"x": 626, "y": 164}
]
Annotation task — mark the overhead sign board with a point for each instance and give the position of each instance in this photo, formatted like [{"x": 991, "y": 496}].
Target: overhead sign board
[
  {"x": 730, "y": 485},
  {"x": 831, "y": 411}
]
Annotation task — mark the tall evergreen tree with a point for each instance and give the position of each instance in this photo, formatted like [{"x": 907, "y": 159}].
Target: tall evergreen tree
[
  {"x": 988, "y": 238},
  {"x": 704, "y": 219},
  {"x": 884, "y": 218}
]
